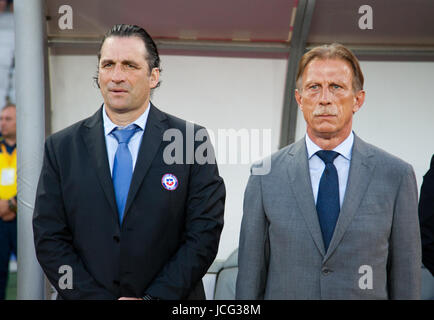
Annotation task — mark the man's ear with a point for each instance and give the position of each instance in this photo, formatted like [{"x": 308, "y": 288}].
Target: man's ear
[
  {"x": 358, "y": 100},
  {"x": 154, "y": 78},
  {"x": 298, "y": 99}
]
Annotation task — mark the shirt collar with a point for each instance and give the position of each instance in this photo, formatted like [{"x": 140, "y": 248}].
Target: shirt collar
[
  {"x": 109, "y": 125},
  {"x": 9, "y": 148},
  {"x": 344, "y": 149}
]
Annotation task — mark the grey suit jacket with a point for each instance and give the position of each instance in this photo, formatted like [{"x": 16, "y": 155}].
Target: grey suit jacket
[{"x": 375, "y": 252}]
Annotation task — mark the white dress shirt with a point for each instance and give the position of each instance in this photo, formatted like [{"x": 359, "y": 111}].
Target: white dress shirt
[
  {"x": 342, "y": 164},
  {"x": 133, "y": 144}
]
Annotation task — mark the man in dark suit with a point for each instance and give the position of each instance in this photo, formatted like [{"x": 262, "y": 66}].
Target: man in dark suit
[
  {"x": 426, "y": 217},
  {"x": 113, "y": 218},
  {"x": 8, "y": 192}
]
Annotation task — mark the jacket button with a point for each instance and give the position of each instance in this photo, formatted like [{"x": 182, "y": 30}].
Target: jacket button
[
  {"x": 326, "y": 271},
  {"x": 116, "y": 283},
  {"x": 116, "y": 239}
]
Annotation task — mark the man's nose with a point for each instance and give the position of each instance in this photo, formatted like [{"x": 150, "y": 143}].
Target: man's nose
[
  {"x": 325, "y": 96},
  {"x": 118, "y": 74}
]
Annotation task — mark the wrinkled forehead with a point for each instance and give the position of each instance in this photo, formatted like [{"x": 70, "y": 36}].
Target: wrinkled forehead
[
  {"x": 123, "y": 48},
  {"x": 8, "y": 111},
  {"x": 328, "y": 70}
]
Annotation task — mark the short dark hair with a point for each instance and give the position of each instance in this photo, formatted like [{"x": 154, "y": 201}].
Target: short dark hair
[
  {"x": 332, "y": 51},
  {"x": 128, "y": 30}
]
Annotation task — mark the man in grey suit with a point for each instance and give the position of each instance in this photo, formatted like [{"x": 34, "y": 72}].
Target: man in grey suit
[{"x": 335, "y": 218}]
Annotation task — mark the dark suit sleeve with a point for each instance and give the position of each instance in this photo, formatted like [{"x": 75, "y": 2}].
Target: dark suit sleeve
[
  {"x": 426, "y": 217},
  {"x": 53, "y": 238},
  {"x": 204, "y": 210}
]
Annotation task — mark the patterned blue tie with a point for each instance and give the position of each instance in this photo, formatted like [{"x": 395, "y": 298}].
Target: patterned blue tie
[
  {"x": 122, "y": 167},
  {"x": 327, "y": 203}
]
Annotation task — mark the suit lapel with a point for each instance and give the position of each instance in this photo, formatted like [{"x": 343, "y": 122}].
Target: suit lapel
[
  {"x": 93, "y": 136},
  {"x": 149, "y": 146},
  {"x": 298, "y": 170},
  {"x": 361, "y": 168}
]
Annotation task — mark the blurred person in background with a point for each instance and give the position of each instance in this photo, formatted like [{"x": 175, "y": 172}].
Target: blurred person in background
[{"x": 8, "y": 193}]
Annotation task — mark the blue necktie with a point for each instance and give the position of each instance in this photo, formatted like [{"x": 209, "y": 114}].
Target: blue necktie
[
  {"x": 122, "y": 168},
  {"x": 327, "y": 203}
]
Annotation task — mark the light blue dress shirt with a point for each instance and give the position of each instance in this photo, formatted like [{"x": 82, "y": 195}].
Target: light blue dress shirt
[
  {"x": 342, "y": 164},
  {"x": 134, "y": 143}
]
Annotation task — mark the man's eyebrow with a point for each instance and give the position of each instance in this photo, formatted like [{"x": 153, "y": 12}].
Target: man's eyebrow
[
  {"x": 338, "y": 82},
  {"x": 106, "y": 61},
  {"x": 130, "y": 62},
  {"x": 124, "y": 62}
]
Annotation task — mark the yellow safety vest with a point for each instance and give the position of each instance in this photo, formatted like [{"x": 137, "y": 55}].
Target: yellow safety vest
[{"x": 8, "y": 173}]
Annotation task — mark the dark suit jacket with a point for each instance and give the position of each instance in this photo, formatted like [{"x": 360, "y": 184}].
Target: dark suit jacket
[
  {"x": 167, "y": 239},
  {"x": 426, "y": 217}
]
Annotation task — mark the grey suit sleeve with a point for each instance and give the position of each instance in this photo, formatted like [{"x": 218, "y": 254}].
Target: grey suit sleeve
[
  {"x": 405, "y": 244},
  {"x": 254, "y": 245}
]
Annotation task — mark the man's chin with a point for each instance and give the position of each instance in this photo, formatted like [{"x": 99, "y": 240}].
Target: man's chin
[
  {"x": 325, "y": 133},
  {"x": 118, "y": 107}
]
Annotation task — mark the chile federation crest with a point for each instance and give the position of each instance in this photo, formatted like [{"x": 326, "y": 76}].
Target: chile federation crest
[{"x": 169, "y": 182}]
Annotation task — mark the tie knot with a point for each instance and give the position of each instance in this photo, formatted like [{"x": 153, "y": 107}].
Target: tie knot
[
  {"x": 327, "y": 156},
  {"x": 124, "y": 135}
]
